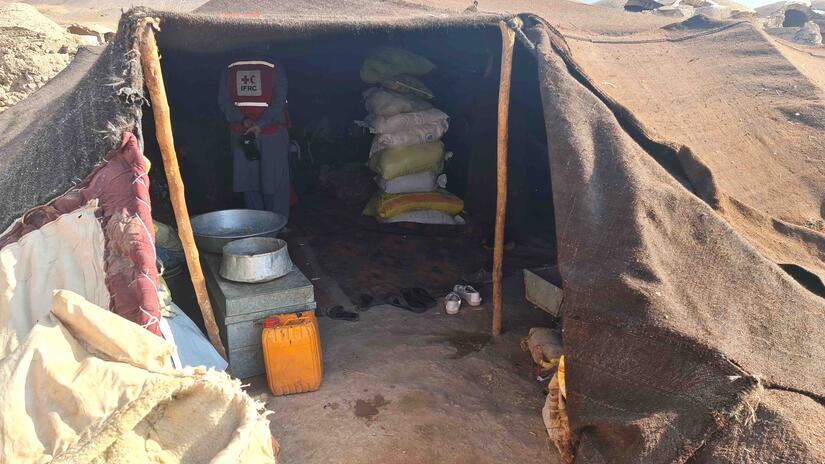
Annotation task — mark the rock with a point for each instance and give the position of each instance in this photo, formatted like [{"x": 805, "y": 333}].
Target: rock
[
  {"x": 100, "y": 34},
  {"x": 33, "y": 49},
  {"x": 718, "y": 12},
  {"x": 675, "y": 11},
  {"x": 809, "y": 34},
  {"x": 88, "y": 40}
]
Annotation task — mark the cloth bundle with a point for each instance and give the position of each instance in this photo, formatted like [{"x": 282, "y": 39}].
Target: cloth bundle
[{"x": 407, "y": 152}]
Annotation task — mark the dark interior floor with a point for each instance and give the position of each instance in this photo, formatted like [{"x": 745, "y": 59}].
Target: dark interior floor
[
  {"x": 355, "y": 262},
  {"x": 370, "y": 262}
]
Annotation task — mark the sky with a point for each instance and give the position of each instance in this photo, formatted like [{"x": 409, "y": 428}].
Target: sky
[{"x": 750, "y": 3}]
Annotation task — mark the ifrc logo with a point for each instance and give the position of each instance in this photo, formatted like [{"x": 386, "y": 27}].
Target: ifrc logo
[{"x": 248, "y": 83}]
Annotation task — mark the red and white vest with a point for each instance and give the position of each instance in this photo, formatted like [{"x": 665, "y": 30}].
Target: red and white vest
[{"x": 250, "y": 88}]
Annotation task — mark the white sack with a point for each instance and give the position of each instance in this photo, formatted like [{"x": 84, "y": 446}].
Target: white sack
[
  {"x": 426, "y": 181},
  {"x": 424, "y": 133},
  {"x": 388, "y": 103},
  {"x": 87, "y": 385},
  {"x": 423, "y": 216},
  {"x": 403, "y": 122}
]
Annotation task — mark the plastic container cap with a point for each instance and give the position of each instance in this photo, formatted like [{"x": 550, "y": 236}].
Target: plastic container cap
[
  {"x": 272, "y": 321},
  {"x": 283, "y": 319}
]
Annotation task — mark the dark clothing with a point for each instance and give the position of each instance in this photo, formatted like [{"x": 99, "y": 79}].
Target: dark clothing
[{"x": 268, "y": 176}]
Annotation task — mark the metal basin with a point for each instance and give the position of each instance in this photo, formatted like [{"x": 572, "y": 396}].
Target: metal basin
[
  {"x": 214, "y": 230},
  {"x": 256, "y": 259}
]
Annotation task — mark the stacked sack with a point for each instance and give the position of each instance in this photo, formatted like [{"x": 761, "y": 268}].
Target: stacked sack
[{"x": 407, "y": 152}]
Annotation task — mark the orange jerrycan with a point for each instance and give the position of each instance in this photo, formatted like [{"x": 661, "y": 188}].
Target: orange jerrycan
[{"x": 292, "y": 353}]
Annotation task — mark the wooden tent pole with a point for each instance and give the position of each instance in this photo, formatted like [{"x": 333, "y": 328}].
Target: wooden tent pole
[
  {"x": 508, "y": 40},
  {"x": 153, "y": 78}
]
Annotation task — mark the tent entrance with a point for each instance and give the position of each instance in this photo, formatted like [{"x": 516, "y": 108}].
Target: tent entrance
[
  {"x": 327, "y": 167},
  {"x": 357, "y": 263}
]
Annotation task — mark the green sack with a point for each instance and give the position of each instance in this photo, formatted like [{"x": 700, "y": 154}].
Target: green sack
[
  {"x": 387, "y": 62},
  {"x": 410, "y": 159}
]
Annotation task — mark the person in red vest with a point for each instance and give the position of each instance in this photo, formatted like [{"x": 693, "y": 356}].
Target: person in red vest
[{"x": 252, "y": 97}]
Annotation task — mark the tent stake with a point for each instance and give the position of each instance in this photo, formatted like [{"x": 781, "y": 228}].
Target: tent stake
[
  {"x": 153, "y": 78},
  {"x": 508, "y": 40}
]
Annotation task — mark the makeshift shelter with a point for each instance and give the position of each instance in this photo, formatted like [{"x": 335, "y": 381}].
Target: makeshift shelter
[{"x": 685, "y": 164}]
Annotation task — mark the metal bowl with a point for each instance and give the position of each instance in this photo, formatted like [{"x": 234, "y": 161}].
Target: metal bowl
[
  {"x": 256, "y": 259},
  {"x": 214, "y": 230}
]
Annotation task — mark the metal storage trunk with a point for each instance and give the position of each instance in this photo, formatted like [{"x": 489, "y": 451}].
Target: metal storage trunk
[{"x": 240, "y": 309}]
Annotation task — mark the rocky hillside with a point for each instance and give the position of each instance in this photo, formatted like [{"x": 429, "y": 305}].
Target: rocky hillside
[{"x": 33, "y": 49}]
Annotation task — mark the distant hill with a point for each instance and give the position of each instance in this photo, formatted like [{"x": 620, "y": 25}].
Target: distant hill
[
  {"x": 767, "y": 10},
  {"x": 106, "y": 12},
  {"x": 619, "y": 4}
]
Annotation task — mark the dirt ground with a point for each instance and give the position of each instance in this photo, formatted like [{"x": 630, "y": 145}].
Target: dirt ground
[{"x": 419, "y": 388}]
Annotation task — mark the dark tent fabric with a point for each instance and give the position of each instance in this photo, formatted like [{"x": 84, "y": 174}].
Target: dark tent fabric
[
  {"x": 740, "y": 115},
  {"x": 675, "y": 328},
  {"x": 744, "y": 124},
  {"x": 685, "y": 340},
  {"x": 52, "y": 142}
]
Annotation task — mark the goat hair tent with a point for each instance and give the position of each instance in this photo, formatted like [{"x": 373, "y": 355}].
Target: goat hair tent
[{"x": 687, "y": 166}]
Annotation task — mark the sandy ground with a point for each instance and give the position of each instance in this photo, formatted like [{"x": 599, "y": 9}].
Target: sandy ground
[{"x": 419, "y": 388}]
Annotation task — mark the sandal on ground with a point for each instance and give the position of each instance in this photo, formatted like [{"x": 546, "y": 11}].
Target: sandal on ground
[
  {"x": 399, "y": 302},
  {"x": 417, "y": 296},
  {"x": 480, "y": 277},
  {"x": 468, "y": 294},
  {"x": 338, "y": 312},
  {"x": 452, "y": 303}
]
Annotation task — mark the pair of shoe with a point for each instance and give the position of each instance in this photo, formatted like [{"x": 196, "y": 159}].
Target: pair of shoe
[{"x": 452, "y": 302}]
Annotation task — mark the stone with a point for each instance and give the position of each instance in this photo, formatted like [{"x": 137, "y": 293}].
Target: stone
[
  {"x": 100, "y": 34},
  {"x": 33, "y": 49},
  {"x": 809, "y": 34}
]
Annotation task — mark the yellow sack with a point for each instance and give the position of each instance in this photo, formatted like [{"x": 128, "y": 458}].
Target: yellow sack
[
  {"x": 385, "y": 205},
  {"x": 410, "y": 159}
]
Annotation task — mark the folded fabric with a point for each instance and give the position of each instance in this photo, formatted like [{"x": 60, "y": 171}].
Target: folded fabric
[
  {"x": 386, "y": 62},
  {"x": 408, "y": 85},
  {"x": 385, "y": 205},
  {"x": 400, "y": 161},
  {"x": 388, "y": 103},
  {"x": 422, "y": 216},
  {"x": 404, "y": 121},
  {"x": 424, "y": 133},
  {"x": 425, "y": 181}
]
